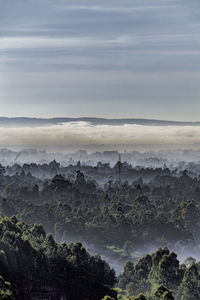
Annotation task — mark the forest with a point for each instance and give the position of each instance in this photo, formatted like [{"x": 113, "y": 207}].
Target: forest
[
  {"x": 99, "y": 150},
  {"x": 99, "y": 232}
]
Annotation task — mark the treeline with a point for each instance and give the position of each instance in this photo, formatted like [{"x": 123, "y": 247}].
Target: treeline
[
  {"x": 164, "y": 211},
  {"x": 34, "y": 266},
  {"x": 160, "y": 276},
  {"x": 118, "y": 218},
  {"x": 101, "y": 172}
]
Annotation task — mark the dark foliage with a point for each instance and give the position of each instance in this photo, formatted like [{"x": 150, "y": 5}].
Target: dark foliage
[{"x": 38, "y": 267}]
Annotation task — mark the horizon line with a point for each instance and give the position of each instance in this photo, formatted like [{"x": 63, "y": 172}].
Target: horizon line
[{"x": 98, "y": 118}]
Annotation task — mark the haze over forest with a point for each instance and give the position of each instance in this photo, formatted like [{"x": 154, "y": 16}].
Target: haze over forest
[{"x": 99, "y": 150}]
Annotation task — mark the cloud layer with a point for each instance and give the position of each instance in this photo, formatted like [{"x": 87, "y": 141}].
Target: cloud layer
[
  {"x": 84, "y": 134},
  {"x": 45, "y": 44}
]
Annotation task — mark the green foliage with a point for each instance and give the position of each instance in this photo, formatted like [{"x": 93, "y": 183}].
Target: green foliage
[
  {"x": 190, "y": 286},
  {"x": 5, "y": 290},
  {"x": 29, "y": 255},
  {"x": 107, "y": 298},
  {"x": 116, "y": 218},
  {"x": 165, "y": 269},
  {"x": 159, "y": 276},
  {"x": 162, "y": 293},
  {"x": 161, "y": 211}
]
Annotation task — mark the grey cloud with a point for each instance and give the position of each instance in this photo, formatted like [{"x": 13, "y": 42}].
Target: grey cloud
[
  {"x": 114, "y": 52},
  {"x": 45, "y": 42},
  {"x": 115, "y": 9},
  {"x": 141, "y": 55}
]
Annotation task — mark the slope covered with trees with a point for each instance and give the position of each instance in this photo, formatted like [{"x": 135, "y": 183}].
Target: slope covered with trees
[
  {"x": 160, "y": 276},
  {"x": 162, "y": 211},
  {"x": 34, "y": 266},
  {"x": 119, "y": 219}
]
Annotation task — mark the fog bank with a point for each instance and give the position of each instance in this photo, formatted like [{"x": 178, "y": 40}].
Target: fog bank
[{"x": 85, "y": 134}]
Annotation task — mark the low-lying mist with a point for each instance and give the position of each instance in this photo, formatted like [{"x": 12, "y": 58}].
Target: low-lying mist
[
  {"x": 86, "y": 135},
  {"x": 183, "y": 251}
]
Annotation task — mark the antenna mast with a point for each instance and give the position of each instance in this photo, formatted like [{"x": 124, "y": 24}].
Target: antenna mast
[{"x": 119, "y": 166}]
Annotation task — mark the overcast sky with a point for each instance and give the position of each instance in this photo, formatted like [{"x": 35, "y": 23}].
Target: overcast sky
[{"x": 105, "y": 58}]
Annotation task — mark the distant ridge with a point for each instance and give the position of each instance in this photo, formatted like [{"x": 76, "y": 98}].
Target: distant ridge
[{"x": 24, "y": 121}]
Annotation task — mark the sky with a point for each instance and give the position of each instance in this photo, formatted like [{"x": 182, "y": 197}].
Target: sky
[{"x": 105, "y": 58}]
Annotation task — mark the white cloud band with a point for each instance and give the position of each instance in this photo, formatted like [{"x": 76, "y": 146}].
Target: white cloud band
[{"x": 83, "y": 133}]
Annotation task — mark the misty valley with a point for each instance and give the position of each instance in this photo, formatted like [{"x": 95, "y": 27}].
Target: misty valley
[
  {"x": 100, "y": 225},
  {"x": 99, "y": 150}
]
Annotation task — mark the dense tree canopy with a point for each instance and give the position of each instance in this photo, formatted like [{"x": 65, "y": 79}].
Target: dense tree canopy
[
  {"x": 34, "y": 263},
  {"x": 119, "y": 219}
]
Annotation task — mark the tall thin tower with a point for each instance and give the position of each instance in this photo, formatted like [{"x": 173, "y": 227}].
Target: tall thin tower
[{"x": 119, "y": 166}]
